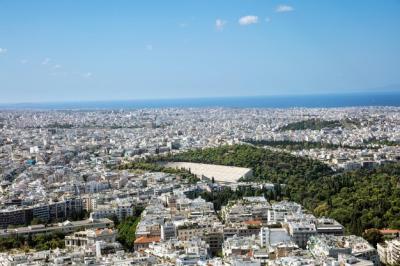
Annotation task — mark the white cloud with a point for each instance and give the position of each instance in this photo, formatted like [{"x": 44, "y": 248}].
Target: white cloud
[
  {"x": 46, "y": 61},
  {"x": 248, "y": 20},
  {"x": 284, "y": 8},
  {"x": 87, "y": 75},
  {"x": 59, "y": 74},
  {"x": 57, "y": 66},
  {"x": 220, "y": 24},
  {"x": 3, "y": 50},
  {"x": 149, "y": 47}
]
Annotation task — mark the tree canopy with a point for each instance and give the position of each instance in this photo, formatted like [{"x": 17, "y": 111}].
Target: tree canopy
[
  {"x": 360, "y": 199},
  {"x": 272, "y": 166},
  {"x": 318, "y": 124}
]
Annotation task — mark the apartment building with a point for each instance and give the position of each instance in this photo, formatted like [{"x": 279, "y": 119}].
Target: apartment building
[
  {"x": 329, "y": 226},
  {"x": 278, "y": 211},
  {"x": 389, "y": 251},
  {"x": 247, "y": 229},
  {"x": 90, "y": 237},
  {"x": 300, "y": 232},
  {"x": 270, "y": 237},
  {"x": 64, "y": 227},
  {"x": 45, "y": 212},
  {"x": 109, "y": 211},
  {"x": 322, "y": 246}
]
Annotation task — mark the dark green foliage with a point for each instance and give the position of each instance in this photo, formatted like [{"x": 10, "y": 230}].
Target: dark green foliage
[
  {"x": 36, "y": 221},
  {"x": 49, "y": 241},
  {"x": 381, "y": 142},
  {"x": 373, "y": 236},
  {"x": 38, "y": 242},
  {"x": 363, "y": 199},
  {"x": 300, "y": 145},
  {"x": 58, "y": 125},
  {"x": 318, "y": 124},
  {"x": 77, "y": 216},
  {"x": 127, "y": 229},
  {"x": 292, "y": 145},
  {"x": 114, "y": 218},
  {"x": 10, "y": 243},
  {"x": 276, "y": 167},
  {"x": 360, "y": 199}
]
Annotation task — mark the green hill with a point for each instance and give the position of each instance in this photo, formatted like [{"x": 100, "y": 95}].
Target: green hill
[{"x": 359, "y": 199}]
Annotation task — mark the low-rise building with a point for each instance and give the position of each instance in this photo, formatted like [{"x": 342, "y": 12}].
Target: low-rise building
[
  {"x": 301, "y": 232},
  {"x": 280, "y": 210},
  {"x": 242, "y": 247},
  {"x": 143, "y": 242},
  {"x": 107, "y": 211},
  {"x": 247, "y": 209},
  {"x": 329, "y": 226},
  {"x": 270, "y": 237},
  {"x": 90, "y": 237},
  {"x": 323, "y": 246},
  {"x": 246, "y": 229},
  {"x": 64, "y": 227}
]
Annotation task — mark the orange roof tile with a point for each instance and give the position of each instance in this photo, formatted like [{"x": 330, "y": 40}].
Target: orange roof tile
[
  {"x": 100, "y": 231},
  {"x": 147, "y": 240},
  {"x": 253, "y": 222},
  {"x": 389, "y": 231}
]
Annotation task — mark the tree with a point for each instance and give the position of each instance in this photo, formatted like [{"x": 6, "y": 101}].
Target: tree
[
  {"x": 36, "y": 221},
  {"x": 127, "y": 229},
  {"x": 322, "y": 209},
  {"x": 359, "y": 199},
  {"x": 373, "y": 236},
  {"x": 114, "y": 218},
  {"x": 85, "y": 178}
]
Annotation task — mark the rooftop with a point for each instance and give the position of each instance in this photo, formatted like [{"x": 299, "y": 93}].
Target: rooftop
[{"x": 147, "y": 240}]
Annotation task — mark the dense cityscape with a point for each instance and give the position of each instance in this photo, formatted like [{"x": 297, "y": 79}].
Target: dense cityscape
[
  {"x": 150, "y": 186},
  {"x": 200, "y": 133}
]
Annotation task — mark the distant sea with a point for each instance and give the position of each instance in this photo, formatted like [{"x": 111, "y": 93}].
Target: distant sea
[{"x": 289, "y": 101}]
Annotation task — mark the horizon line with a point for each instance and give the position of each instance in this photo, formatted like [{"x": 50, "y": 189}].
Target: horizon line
[{"x": 2, "y": 104}]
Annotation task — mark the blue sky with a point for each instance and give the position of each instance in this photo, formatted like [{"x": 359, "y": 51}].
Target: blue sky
[{"x": 105, "y": 50}]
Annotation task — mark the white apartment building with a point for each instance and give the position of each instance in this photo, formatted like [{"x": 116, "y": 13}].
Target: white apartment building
[
  {"x": 301, "y": 232},
  {"x": 168, "y": 231},
  {"x": 278, "y": 211},
  {"x": 389, "y": 251},
  {"x": 323, "y": 246},
  {"x": 106, "y": 211},
  {"x": 273, "y": 236},
  {"x": 90, "y": 237},
  {"x": 239, "y": 246}
]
